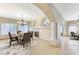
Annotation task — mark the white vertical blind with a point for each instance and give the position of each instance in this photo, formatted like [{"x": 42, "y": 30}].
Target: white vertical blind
[
  {"x": 23, "y": 28},
  {"x": 72, "y": 28},
  {"x": 4, "y": 28},
  {"x": 8, "y": 27},
  {"x": 12, "y": 27}
]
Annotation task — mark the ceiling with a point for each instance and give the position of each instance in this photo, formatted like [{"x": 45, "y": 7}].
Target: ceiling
[
  {"x": 70, "y": 11},
  {"x": 16, "y": 10}
]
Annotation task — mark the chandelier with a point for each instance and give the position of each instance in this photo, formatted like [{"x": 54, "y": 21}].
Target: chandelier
[{"x": 22, "y": 22}]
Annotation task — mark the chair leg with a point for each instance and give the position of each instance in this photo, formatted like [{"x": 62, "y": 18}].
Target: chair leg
[
  {"x": 23, "y": 45},
  {"x": 17, "y": 41},
  {"x": 10, "y": 43},
  {"x": 32, "y": 38},
  {"x": 30, "y": 42}
]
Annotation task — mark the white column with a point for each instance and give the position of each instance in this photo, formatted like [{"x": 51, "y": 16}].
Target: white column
[{"x": 54, "y": 33}]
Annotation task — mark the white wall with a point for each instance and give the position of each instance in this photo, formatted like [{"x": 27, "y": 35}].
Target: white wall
[
  {"x": 59, "y": 21},
  {"x": 48, "y": 34},
  {"x": 45, "y": 33},
  {"x": 53, "y": 34}
]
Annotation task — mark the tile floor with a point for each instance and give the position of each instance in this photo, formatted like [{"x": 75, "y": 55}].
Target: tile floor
[{"x": 41, "y": 47}]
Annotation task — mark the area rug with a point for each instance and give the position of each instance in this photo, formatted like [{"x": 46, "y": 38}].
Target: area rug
[{"x": 16, "y": 49}]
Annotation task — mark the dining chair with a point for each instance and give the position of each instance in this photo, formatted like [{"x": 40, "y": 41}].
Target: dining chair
[
  {"x": 26, "y": 39},
  {"x": 73, "y": 35},
  {"x": 31, "y": 32},
  {"x": 36, "y": 34},
  {"x": 15, "y": 38}
]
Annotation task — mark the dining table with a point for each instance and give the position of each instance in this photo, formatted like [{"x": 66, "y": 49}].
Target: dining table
[{"x": 20, "y": 37}]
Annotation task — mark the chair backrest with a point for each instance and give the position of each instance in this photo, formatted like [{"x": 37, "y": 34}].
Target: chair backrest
[
  {"x": 36, "y": 34},
  {"x": 27, "y": 37},
  {"x": 72, "y": 34},
  {"x": 31, "y": 33},
  {"x": 10, "y": 36}
]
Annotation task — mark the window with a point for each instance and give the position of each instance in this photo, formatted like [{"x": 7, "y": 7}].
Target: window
[
  {"x": 61, "y": 28},
  {"x": 8, "y": 27},
  {"x": 13, "y": 28},
  {"x": 23, "y": 28},
  {"x": 72, "y": 28},
  {"x": 4, "y": 28}
]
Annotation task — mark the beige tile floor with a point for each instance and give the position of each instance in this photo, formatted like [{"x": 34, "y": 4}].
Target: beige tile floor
[
  {"x": 45, "y": 48},
  {"x": 68, "y": 47}
]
